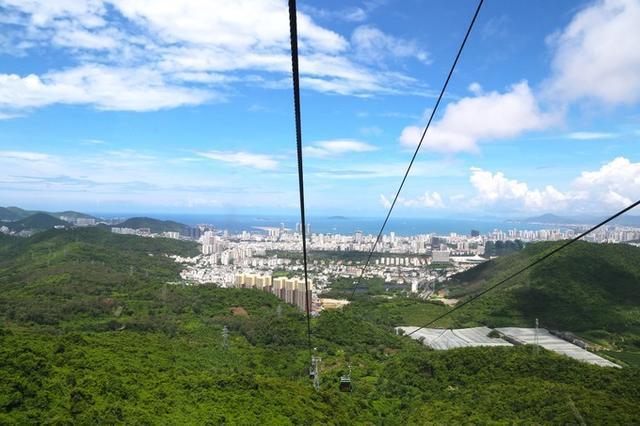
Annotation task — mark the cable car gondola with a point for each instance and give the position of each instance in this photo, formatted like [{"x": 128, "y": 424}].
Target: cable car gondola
[{"x": 345, "y": 382}]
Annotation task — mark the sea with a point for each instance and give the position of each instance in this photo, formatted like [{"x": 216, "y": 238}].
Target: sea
[{"x": 339, "y": 224}]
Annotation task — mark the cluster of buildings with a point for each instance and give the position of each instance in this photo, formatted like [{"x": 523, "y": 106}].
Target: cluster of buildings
[
  {"x": 418, "y": 262},
  {"x": 79, "y": 221},
  {"x": 145, "y": 232},
  {"x": 291, "y": 290}
]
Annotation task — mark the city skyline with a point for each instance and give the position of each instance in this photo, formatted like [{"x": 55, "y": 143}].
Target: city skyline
[{"x": 112, "y": 103}]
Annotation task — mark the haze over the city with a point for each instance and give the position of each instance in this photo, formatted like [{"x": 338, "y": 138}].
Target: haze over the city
[{"x": 112, "y": 106}]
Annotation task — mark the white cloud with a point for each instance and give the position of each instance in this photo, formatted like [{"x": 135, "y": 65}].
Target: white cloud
[
  {"x": 616, "y": 183},
  {"x": 381, "y": 170},
  {"x": 69, "y": 34},
  {"x": 489, "y": 116},
  {"x": 492, "y": 189},
  {"x": 131, "y": 178},
  {"x": 590, "y": 135},
  {"x": 355, "y": 15},
  {"x": 182, "y": 51},
  {"x": 613, "y": 186},
  {"x": 426, "y": 200},
  {"x": 7, "y": 116},
  {"x": 385, "y": 202},
  {"x": 43, "y": 12},
  {"x": 238, "y": 25},
  {"x": 475, "y": 88},
  {"x": 351, "y": 14},
  {"x": 24, "y": 155},
  {"x": 106, "y": 88},
  {"x": 244, "y": 159},
  {"x": 372, "y": 45},
  {"x": 337, "y": 147},
  {"x": 597, "y": 54}
]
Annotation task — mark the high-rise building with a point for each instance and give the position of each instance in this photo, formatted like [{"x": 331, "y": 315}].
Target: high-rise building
[{"x": 291, "y": 290}]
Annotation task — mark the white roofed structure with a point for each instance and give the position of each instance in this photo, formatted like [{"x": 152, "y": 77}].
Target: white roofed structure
[{"x": 438, "y": 338}]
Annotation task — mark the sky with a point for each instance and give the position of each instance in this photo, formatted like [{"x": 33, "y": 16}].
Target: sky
[{"x": 186, "y": 106}]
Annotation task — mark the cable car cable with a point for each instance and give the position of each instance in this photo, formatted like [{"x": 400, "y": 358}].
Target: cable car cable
[
  {"x": 293, "y": 28},
  {"x": 433, "y": 112},
  {"x": 529, "y": 266}
]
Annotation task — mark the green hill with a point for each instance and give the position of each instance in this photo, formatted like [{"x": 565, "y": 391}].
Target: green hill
[
  {"x": 7, "y": 214},
  {"x": 592, "y": 289},
  {"x": 72, "y": 214},
  {"x": 93, "y": 332},
  {"x": 37, "y": 221},
  {"x": 16, "y": 213},
  {"x": 13, "y": 213},
  {"x": 155, "y": 225}
]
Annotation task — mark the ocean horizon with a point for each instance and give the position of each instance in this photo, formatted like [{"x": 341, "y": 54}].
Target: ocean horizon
[{"x": 339, "y": 224}]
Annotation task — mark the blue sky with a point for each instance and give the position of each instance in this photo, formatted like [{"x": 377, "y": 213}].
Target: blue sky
[{"x": 186, "y": 106}]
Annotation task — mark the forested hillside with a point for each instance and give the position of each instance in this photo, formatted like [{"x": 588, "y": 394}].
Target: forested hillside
[
  {"x": 592, "y": 289},
  {"x": 37, "y": 221},
  {"x": 93, "y": 332},
  {"x": 155, "y": 225}
]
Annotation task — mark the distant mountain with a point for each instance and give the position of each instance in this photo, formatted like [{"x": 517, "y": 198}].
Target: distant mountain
[
  {"x": 337, "y": 218},
  {"x": 38, "y": 221},
  {"x": 155, "y": 225},
  {"x": 13, "y": 213},
  {"x": 549, "y": 218},
  {"x": 16, "y": 213},
  {"x": 6, "y": 214},
  {"x": 553, "y": 219},
  {"x": 72, "y": 214},
  {"x": 628, "y": 221}
]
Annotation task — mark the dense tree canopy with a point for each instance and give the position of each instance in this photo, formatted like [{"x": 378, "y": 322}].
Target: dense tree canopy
[{"x": 94, "y": 329}]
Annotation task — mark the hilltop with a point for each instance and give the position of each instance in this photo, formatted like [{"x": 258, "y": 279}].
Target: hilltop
[
  {"x": 592, "y": 289},
  {"x": 155, "y": 225},
  {"x": 16, "y": 213},
  {"x": 552, "y": 219},
  {"x": 93, "y": 331},
  {"x": 37, "y": 221},
  {"x": 9, "y": 214}
]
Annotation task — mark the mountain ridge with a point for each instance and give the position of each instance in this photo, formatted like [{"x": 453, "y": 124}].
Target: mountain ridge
[{"x": 155, "y": 225}]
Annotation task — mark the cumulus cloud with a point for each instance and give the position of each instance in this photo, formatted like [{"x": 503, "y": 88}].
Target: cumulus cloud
[
  {"x": 597, "y": 55},
  {"x": 337, "y": 147},
  {"x": 243, "y": 159},
  {"x": 484, "y": 117},
  {"x": 493, "y": 188},
  {"x": 615, "y": 185}
]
